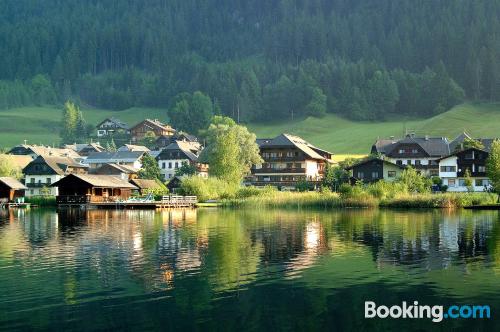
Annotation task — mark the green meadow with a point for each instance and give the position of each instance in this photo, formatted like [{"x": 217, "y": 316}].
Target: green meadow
[{"x": 339, "y": 135}]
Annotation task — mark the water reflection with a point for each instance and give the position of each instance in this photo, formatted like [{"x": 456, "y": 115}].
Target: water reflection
[{"x": 193, "y": 261}]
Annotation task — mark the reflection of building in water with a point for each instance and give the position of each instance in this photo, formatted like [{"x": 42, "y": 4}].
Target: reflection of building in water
[{"x": 315, "y": 243}]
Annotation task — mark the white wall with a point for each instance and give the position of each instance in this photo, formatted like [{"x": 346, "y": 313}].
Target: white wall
[
  {"x": 43, "y": 180},
  {"x": 168, "y": 171},
  {"x": 451, "y": 161}
]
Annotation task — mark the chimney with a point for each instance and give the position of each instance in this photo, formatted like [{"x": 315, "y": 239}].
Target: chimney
[{"x": 426, "y": 137}]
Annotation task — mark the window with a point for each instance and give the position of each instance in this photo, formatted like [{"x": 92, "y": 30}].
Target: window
[
  {"x": 391, "y": 174},
  {"x": 469, "y": 155},
  {"x": 170, "y": 165},
  {"x": 461, "y": 182},
  {"x": 49, "y": 180},
  {"x": 32, "y": 180},
  {"x": 434, "y": 172},
  {"x": 401, "y": 151},
  {"x": 374, "y": 175},
  {"x": 414, "y": 151},
  {"x": 451, "y": 182},
  {"x": 408, "y": 162},
  {"x": 479, "y": 182},
  {"x": 448, "y": 168},
  {"x": 399, "y": 162},
  {"x": 163, "y": 165},
  {"x": 298, "y": 165},
  {"x": 289, "y": 165},
  {"x": 289, "y": 154},
  {"x": 417, "y": 162},
  {"x": 176, "y": 165},
  {"x": 361, "y": 175},
  {"x": 481, "y": 169}
]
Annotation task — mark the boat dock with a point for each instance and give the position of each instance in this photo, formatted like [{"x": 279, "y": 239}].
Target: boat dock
[
  {"x": 167, "y": 202},
  {"x": 15, "y": 205}
]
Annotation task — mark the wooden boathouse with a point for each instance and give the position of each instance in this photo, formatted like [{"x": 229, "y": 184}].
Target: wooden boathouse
[
  {"x": 11, "y": 192},
  {"x": 106, "y": 191}
]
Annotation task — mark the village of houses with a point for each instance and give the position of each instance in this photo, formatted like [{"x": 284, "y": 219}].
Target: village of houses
[{"x": 85, "y": 173}]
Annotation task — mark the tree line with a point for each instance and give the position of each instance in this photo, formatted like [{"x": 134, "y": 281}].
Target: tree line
[{"x": 257, "y": 60}]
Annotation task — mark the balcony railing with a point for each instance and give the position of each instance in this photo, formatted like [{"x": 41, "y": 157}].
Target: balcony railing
[
  {"x": 37, "y": 185},
  {"x": 278, "y": 170}
]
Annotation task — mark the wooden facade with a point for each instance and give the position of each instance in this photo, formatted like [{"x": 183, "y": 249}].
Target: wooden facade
[
  {"x": 81, "y": 189},
  {"x": 140, "y": 130},
  {"x": 373, "y": 170},
  {"x": 10, "y": 189}
]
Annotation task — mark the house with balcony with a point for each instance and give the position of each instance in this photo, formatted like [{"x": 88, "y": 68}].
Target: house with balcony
[
  {"x": 140, "y": 130},
  {"x": 42, "y": 172},
  {"x": 179, "y": 153},
  {"x": 289, "y": 160},
  {"x": 110, "y": 126},
  {"x": 452, "y": 170},
  {"x": 421, "y": 153}
]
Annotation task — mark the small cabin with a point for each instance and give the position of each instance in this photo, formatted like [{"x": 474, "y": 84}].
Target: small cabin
[
  {"x": 84, "y": 188},
  {"x": 145, "y": 186},
  {"x": 10, "y": 189}
]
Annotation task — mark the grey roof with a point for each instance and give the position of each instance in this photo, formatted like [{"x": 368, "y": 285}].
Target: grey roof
[
  {"x": 132, "y": 147},
  {"x": 58, "y": 164},
  {"x": 372, "y": 159},
  {"x": 433, "y": 146},
  {"x": 287, "y": 140},
  {"x": 121, "y": 168},
  {"x": 116, "y": 121},
  {"x": 114, "y": 157},
  {"x": 12, "y": 183},
  {"x": 184, "y": 146},
  {"x": 102, "y": 181},
  {"x": 463, "y": 136}
]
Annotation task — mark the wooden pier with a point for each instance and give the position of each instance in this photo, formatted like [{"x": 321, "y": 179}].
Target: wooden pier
[
  {"x": 15, "y": 205},
  {"x": 167, "y": 202}
]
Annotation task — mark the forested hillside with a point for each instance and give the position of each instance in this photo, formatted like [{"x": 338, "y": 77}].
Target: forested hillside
[{"x": 256, "y": 59}]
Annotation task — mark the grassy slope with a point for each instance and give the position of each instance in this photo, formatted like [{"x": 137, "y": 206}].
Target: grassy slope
[
  {"x": 344, "y": 136},
  {"x": 341, "y": 136},
  {"x": 40, "y": 124}
]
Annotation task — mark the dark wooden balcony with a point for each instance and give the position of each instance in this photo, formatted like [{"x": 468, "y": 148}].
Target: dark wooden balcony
[{"x": 279, "y": 171}]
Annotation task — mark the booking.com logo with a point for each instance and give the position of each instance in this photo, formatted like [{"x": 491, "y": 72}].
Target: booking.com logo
[{"x": 415, "y": 311}]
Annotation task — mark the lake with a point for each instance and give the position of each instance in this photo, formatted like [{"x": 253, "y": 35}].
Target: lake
[{"x": 224, "y": 269}]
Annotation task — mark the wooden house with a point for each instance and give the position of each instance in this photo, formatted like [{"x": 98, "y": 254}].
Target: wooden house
[
  {"x": 375, "y": 169},
  {"x": 288, "y": 160},
  {"x": 86, "y": 188},
  {"x": 164, "y": 141},
  {"x": 140, "y": 130},
  {"x": 10, "y": 189}
]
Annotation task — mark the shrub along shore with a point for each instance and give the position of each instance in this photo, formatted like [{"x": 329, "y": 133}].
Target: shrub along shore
[
  {"x": 335, "y": 200},
  {"x": 380, "y": 194}
]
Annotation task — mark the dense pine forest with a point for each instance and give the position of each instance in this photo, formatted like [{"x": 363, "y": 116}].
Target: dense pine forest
[{"x": 257, "y": 60}]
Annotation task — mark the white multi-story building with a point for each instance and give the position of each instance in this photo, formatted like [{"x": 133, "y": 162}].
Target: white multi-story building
[
  {"x": 180, "y": 153},
  {"x": 43, "y": 171}
]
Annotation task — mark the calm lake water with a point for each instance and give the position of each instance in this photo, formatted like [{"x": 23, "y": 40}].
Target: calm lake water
[{"x": 215, "y": 269}]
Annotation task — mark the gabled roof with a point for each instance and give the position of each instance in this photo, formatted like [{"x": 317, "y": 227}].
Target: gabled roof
[
  {"x": 461, "y": 151},
  {"x": 463, "y": 136},
  {"x": 132, "y": 147},
  {"x": 78, "y": 147},
  {"x": 368, "y": 160},
  {"x": 186, "y": 147},
  {"x": 100, "y": 181},
  {"x": 117, "y": 122},
  {"x": 114, "y": 157},
  {"x": 12, "y": 183},
  {"x": 433, "y": 146},
  {"x": 58, "y": 164},
  {"x": 145, "y": 183},
  {"x": 154, "y": 124},
  {"x": 121, "y": 168},
  {"x": 287, "y": 140},
  {"x": 20, "y": 161},
  {"x": 41, "y": 150}
]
